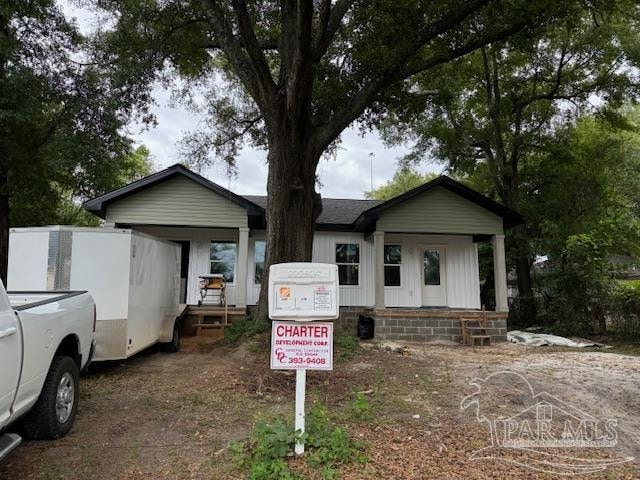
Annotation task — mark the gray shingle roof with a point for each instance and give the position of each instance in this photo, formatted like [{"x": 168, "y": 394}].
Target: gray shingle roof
[{"x": 338, "y": 211}]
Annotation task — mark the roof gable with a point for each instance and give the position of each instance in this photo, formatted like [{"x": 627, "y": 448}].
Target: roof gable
[
  {"x": 98, "y": 205},
  {"x": 367, "y": 220}
]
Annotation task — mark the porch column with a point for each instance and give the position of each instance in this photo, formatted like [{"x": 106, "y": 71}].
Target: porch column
[
  {"x": 378, "y": 252},
  {"x": 241, "y": 267},
  {"x": 500, "y": 273}
]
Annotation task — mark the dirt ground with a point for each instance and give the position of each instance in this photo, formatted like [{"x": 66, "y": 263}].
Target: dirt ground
[{"x": 173, "y": 416}]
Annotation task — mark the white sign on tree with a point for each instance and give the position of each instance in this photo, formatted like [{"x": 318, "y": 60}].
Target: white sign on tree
[{"x": 302, "y": 292}]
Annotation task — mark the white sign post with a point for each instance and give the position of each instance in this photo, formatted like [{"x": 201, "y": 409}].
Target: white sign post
[{"x": 301, "y": 293}]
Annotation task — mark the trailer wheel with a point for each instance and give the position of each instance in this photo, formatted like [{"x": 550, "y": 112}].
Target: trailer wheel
[
  {"x": 54, "y": 412},
  {"x": 174, "y": 345}
]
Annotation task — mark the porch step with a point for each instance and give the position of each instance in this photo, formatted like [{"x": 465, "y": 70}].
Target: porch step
[
  {"x": 471, "y": 335},
  {"x": 484, "y": 339}
]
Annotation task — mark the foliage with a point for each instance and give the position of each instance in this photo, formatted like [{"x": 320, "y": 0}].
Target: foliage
[
  {"x": 493, "y": 113},
  {"x": 624, "y": 310},
  {"x": 347, "y": 345},
  {"x": 403, "y": 180},
  {"x": 269, "y": 444},
  {"x": 62, "y": 119},
  {"x": 66, "y": 206},
  {"x": 360, "y": 408},
  {"x": 586, "y": 209},
  {"x": 243, "y": 329}
]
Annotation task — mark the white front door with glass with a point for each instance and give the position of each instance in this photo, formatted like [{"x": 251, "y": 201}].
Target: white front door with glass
[{"x": 434, "y": 282}]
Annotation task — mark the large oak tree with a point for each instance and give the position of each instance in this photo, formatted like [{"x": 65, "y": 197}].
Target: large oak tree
[{"x": 292, "y": 75}]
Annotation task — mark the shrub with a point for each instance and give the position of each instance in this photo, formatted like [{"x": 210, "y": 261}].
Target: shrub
[
  {"x": 624, "y": 309},
  {"x": 245, "y": 328},
  {"x": 347, "y": 345},
  {"x": 264, "y": 453}
]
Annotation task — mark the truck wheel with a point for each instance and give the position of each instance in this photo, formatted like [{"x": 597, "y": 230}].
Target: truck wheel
[
  {"x": 174, "y": 345},
  {"x": 53, "y": 414}
]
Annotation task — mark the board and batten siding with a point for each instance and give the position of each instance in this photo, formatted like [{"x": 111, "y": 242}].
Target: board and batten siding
[
  {"x": 199, "y": 250},
  {"x": 463, "y": 284},
  {"x": 178, "y": 201},
  {"x": 324, "y": 251},
  {"x": 440, "y": 211},
  {"x": 461, "y": 270}
]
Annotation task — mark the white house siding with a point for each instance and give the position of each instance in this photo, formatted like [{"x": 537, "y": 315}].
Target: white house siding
[
  {"x": 463, "y": 285},
  {"x": 462, "y": 275},
  {"x": 200, "y": 240},
  {"x": 324, "y": 251}
]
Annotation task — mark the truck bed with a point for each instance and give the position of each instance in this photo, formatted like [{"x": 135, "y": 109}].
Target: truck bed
[{"x": 25, "y": 300}]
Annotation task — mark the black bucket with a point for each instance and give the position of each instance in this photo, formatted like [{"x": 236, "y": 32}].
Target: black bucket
[{"x": 366, "y": 327}]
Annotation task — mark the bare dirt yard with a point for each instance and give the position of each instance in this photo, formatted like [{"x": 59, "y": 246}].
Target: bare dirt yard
[{"x": 173, "y": 416}]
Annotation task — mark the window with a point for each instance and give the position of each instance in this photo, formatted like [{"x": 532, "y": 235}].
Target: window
[
  {"x": 223, "y": 259},
  {"x": 392, "y": 264},
  {"x": 432, "y": 267},
  {"x": 348, "y": 261},
  {"x": 258, "y": 257}
]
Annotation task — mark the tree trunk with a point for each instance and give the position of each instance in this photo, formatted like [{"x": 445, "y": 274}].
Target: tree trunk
[
  {"x": 4, "y": 228},
  {"x": 293, "y": 206}
]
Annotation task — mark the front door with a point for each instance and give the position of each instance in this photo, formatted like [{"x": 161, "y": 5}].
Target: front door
[{"x": 434, "y": 282}]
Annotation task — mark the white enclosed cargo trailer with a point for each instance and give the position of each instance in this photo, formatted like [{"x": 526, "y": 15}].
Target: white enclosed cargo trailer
[{"x": 133, "y": 278}]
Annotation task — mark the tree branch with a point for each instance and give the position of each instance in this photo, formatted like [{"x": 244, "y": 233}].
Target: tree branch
[
  {"x": 244, "y": 66},
  {"x": 356, "y": 105},
  {"x": 330, "y": 19}
]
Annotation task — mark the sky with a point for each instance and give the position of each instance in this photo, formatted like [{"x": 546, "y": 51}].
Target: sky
[{"x": 348, "y": 174}]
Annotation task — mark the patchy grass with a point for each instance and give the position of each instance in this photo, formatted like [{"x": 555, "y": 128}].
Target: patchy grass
[{"x": 221, "y": 413}]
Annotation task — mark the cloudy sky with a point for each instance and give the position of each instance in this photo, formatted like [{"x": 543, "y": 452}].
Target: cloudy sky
[{"x": 347, "y": 175}]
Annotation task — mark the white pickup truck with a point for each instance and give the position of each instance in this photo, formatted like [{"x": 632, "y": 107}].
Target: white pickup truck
[{"x": 46, "y": 339}]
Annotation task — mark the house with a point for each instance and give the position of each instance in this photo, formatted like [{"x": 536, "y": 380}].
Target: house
[{"x": 394, "y": 258}]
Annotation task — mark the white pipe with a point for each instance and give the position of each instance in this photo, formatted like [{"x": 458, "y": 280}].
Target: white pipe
[{"x": 301, "y": 380}]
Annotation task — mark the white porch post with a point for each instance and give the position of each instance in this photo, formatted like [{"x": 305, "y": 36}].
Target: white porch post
[
  {"x": 500, "y": 273},
  {"x": 378, "y": 249},
  {"x": 241, "y": 267}
]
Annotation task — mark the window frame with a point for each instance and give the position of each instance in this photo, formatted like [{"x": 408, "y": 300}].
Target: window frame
[
  {"x": 349, "y": 242},
  {"x": 235, "y": 261},
  {"x": 393, "y": 264},
  {"x": 256, "y": 263}
]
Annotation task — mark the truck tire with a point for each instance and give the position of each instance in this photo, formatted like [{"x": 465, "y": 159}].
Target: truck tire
[
  {"x": 174, "y": 345},
  {"x": 53, "y": 414}
]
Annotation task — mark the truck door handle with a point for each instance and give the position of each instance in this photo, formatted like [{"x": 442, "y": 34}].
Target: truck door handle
[{"x": 8, "y": 331}]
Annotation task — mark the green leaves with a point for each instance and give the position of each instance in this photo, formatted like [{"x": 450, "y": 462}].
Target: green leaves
[{"x": 404, "y": 179}]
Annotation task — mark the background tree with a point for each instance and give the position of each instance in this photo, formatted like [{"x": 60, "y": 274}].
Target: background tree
[
  {"x": 403, "y": 180},
  {"x": 290, "y": 76},
  {"x": 61, "y": 118},
  {"x": 60, "y": 202},
  {"x": 583, "y": 196},
  {"x": 495, "y": 109}
]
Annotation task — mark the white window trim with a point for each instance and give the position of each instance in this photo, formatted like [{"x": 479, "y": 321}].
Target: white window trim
[
  {"x": 235, "y": 263},
  {"x": 350, "y": 242},
  {"x": 394, "y": 287},
  {"x": 254, "y": 261}
]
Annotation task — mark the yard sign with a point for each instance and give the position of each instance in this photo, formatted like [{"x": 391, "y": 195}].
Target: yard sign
[
  {"x": 296, "y": 345},
  {"x": 302, "y": 292}
]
